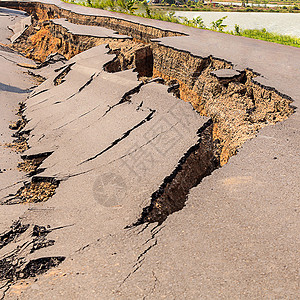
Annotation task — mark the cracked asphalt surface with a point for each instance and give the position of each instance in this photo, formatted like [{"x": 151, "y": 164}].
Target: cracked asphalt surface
[{"x": 236, "y": 238}]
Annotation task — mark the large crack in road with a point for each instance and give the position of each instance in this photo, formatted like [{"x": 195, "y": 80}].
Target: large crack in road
[{"x": 231, "y": 109}]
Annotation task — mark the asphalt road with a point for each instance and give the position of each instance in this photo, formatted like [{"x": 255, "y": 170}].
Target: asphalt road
[{"x": 238, "y": 235}]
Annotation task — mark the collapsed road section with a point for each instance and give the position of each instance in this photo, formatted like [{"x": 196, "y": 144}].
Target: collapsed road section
[{"x": 121, "y": 131}]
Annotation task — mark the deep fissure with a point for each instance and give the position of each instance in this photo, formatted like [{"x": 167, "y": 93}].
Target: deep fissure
[{"x": 198, "y": 162}]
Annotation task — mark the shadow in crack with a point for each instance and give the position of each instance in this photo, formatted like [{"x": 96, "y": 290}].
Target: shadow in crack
[
  {"x": 136, "y": 56},
  {"x": 6, "y": 48},
  {"x": 18, "y": 243},
  {"x": 198, "y": 162},
  {"x": 12, "y": 12},
  {"x": 12, "y": 89}
]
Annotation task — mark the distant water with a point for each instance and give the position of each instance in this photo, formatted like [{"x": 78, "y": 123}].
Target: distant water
[
  {"x": 283, "y": 23},
  {"x": 252, "y": 4}
]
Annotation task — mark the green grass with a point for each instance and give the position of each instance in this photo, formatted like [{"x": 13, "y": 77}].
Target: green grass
[
  {"x": 262, "y": 34},
  {"x": 229, "y": 8},
  {"x": 142, "y": 9}
]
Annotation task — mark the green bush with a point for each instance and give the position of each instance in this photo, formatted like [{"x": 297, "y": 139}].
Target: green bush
[
  {"x": 237, "y": 29},
  {"x": 218, "y": 25}
]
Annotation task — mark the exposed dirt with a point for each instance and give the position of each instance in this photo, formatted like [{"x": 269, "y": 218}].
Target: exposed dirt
[
  {"x": 45, "y": 38},
  {"x": 38, "y": 190},
  {"x": 28, "y": 166},
  {"x": 43, "y": 11},
  {"x": 198, "y": 162},
  {"x": 237, "y": 106},
  {"x": 59, "y": 79},
  {"x": 20, "y": 143},
  {"x": 130, "y": 55},
  {"x": 31, "y": 163}
]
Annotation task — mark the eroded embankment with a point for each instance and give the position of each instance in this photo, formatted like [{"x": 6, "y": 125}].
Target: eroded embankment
[
  {"x": 44, "y": 38},
  {"x": 44, "y": 11},
  {"x": 237, "y": 106}
]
